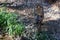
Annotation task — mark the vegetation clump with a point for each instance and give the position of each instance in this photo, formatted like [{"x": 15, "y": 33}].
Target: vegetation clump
[{"x": 9, "y": 23}]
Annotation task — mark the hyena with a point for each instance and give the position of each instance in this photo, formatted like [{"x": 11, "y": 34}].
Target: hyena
[{"x": 39, "y": 15}]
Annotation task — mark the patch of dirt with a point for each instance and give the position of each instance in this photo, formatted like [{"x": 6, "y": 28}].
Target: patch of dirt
[{"x": 6, "y": 37}]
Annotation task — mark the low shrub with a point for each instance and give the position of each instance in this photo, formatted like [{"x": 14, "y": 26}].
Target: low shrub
[{"x": 9, "y": 23}]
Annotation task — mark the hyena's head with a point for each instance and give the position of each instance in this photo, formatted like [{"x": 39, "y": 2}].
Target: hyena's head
[{"x": 38, "y": 9}]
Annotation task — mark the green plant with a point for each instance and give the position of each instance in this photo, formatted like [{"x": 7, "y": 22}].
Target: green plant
[{"x": 9, "y": 23}]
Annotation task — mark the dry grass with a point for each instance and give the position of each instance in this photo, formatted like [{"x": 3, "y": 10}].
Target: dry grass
[{"x": 6, "y": 37}]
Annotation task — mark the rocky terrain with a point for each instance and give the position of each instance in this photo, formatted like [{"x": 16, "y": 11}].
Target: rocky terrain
[{"x": 51, "y": 20}]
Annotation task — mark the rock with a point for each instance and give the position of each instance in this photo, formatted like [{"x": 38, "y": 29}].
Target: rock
[{"x": 0, "y": 36}]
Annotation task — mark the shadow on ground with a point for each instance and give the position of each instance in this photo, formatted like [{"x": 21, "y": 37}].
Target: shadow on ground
[{"x": 53, "y": 27}]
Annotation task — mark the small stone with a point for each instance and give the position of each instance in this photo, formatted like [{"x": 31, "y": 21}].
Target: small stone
[{"x": 0, "y": 36}]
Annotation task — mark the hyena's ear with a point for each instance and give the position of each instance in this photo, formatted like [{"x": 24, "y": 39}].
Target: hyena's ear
[{"x": 38, "y": 5}]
